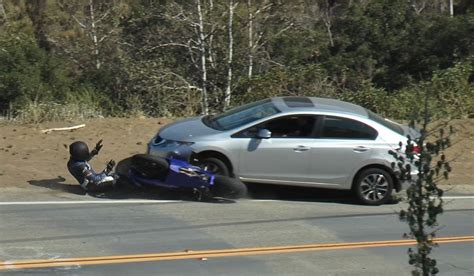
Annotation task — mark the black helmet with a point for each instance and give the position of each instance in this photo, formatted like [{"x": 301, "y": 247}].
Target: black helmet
[{"x": 79, "y": 151}]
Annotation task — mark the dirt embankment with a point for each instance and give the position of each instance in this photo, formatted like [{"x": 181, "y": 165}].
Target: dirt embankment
[{"x": 29, "y": 157}]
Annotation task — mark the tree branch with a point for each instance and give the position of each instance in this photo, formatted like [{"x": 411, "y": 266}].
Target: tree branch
[{"x": 79, "y": 22}]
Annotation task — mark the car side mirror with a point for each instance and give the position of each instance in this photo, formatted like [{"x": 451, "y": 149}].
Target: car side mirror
[{"x": 264, "y": 134}]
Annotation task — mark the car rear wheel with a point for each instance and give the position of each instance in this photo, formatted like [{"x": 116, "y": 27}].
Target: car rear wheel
[
  {"x": 373, "y": 186},
  {"x": 215, "y": 166}
]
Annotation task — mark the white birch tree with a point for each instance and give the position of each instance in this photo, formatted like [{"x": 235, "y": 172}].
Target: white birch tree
[
  {"x": 257, "y": 17},
  {"x": 3, "y": 12},
  {"x": 98, "y": 21},
  {"x": 202, "y": 48},
  {"x": 203, "y": 36},
  {"x": 230, "y": 50}
]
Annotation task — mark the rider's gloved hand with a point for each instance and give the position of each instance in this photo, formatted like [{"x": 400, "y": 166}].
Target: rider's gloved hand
[
  {"x": 110, "y": 166},
  {"x": 97, "y": 148}
]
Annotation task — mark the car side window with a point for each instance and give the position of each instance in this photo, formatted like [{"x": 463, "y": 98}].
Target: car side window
[
  {"x": 344, "y": 128},
  {"x": 295, "y": 126}
]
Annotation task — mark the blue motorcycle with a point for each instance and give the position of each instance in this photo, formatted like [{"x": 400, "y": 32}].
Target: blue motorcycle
[{"x": 176, "y": 172}]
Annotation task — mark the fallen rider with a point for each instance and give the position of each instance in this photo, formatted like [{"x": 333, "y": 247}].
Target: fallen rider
[{"x": 82, "y": 171}]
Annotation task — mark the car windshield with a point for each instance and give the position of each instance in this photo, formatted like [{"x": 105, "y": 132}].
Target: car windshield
[
  {"x": 386, "y": 123},
  {"x": 241, "y": 115}
]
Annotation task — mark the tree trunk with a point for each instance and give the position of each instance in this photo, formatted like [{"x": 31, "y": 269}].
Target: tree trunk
[
  {"x": 327, "y": 22},
  {"x": 202, "y": 47},
  {"x": 35, "y": 10},
  {"x": 250, "y": 38},
  {"x": 210, "y": 47},
  {"x": 94, "y": 35},
  {"x": 230, "y": 57}
]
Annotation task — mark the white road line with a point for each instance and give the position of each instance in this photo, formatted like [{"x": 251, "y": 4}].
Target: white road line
[
  {"x": 142, "y": 201},
  {"x": 458, "y": 197},
  {"x": 86, "y": 202}
]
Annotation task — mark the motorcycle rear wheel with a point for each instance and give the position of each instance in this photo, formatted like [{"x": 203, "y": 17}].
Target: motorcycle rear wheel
[
  {"x": 150, "y": 166},
  {"x": 228, "y": 187}
]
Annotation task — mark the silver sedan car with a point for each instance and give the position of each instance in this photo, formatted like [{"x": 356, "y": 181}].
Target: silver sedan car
[{"x": 300, "y": 141}]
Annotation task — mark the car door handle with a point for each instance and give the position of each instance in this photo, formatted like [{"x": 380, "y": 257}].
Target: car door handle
[
  {"x": 361, "y": 149},
  {"x": 301, "y": 148}
]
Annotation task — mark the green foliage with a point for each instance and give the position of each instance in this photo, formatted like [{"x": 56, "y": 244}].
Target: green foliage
[
  {"x": 424, "y": 197},
  {"x": 27, "y": 73},
  {"x": 375, "y": 99},
  {"x": 453, "y": 91},
  {"x": 450, "y": 95},
  {"x": 379, "y": 54},
  {"x": 158, "y": 92},
  {"x": 83, "y": 104},
  {"x": 375, "y": 43},
  {"x": 448, "y": 40},
  {"x": 309, "y": 80}
]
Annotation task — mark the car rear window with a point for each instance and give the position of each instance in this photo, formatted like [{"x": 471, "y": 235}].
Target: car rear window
[
  {"x": 344, "y": 128},
  {"x": 386, "y": 123}
]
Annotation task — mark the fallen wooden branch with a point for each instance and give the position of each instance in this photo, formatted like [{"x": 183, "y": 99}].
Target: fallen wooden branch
[{"x": 62, "y": 128}]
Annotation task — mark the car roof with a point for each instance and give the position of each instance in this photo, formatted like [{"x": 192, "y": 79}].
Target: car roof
[{"x": 311, "y": 104}]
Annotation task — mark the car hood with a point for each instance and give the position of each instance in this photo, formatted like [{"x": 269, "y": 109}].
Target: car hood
[{"x": 186, "y": 130}]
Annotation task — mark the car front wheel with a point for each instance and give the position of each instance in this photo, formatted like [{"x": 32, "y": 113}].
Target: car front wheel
[
  {"x": 373, "y": 186},
  {"x": 214, "y": 165}
]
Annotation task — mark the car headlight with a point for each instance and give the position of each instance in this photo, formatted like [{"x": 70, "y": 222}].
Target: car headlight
[{"x": 158, "y": 141}]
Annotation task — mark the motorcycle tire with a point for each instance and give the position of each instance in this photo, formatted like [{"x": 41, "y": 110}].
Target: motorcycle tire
[
  {"x": 150, "y": 166},
  {"x": 228, "y": 187},
  {"x": 123, "y": 166}
]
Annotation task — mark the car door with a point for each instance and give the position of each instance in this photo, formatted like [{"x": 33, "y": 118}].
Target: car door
[
  {"x": 284, "y": 157},
  {"x": 343, "y": 144}
]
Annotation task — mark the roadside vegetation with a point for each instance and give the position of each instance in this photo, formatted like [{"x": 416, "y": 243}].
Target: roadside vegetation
[
  {"x": 86, "y": 58},
  {"x": 423, "y": 196},
  {"x": 79, "y": 59}
]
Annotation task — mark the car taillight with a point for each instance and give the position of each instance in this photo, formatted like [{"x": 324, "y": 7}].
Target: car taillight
[{"x": 416, "y": 149}]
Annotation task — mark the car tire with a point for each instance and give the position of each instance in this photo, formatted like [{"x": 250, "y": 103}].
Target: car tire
[
  {"x": 150, "y": 166},
  {"x": 215, "y": 166},
  {"x": 228, "y": 187},
  {"x": 373, "y": 186}
]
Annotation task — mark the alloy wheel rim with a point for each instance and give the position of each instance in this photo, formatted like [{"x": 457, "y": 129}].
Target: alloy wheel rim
[
  {"x": 210, "y": 167},
  {"x": 374, "y": 187}
]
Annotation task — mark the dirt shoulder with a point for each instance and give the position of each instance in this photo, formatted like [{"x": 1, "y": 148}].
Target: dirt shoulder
[{"x": 32, "y": 159}]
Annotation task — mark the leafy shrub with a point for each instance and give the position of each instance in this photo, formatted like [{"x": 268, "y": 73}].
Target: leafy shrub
[
  {"x": 28, "y": 74},
  {"x": 450, "y": 95},
  {"x": 83, "y": 104}
]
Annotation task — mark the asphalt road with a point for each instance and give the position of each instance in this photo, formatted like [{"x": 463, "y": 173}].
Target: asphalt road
[{"x": 278, "y": 233}]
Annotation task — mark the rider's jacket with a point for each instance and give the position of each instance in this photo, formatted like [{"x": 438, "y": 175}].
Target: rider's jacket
[{"x": 84, "y": 174}]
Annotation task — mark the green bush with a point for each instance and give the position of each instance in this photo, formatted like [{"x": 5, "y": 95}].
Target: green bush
[
  {"x": 453, "y": 92},
  {"x": 450, "y": 95},
  {"x": 308, "y": 80},
  {"x": 82, "y": 104},
  {"x": 28, "y": 74}
]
